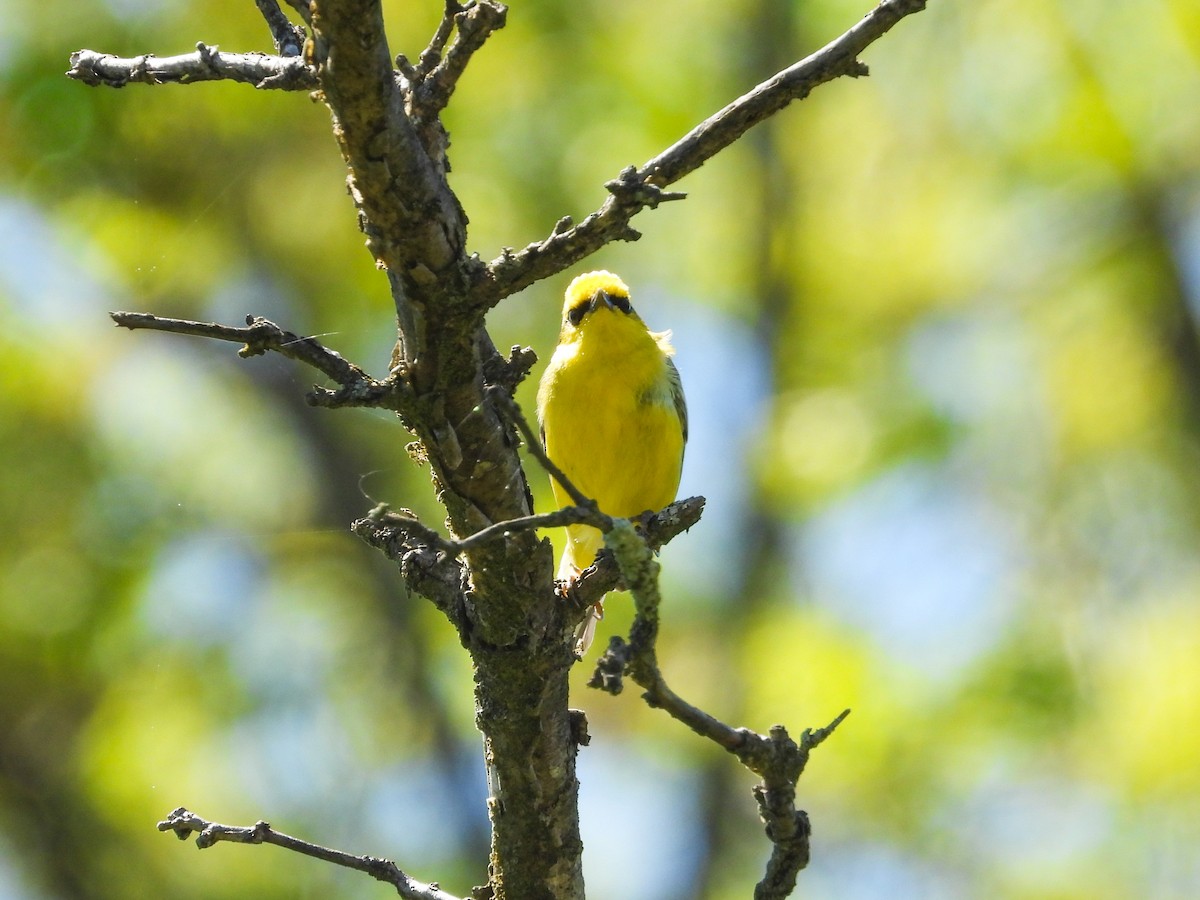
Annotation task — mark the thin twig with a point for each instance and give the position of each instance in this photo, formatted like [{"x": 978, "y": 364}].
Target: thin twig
[
  {"x": 508, "y": 373},
  {"x": 641, "y": 187},
  {"x": 568, "y": 515},
  {"x": 284, "y": 73},
  {"x": 260, "y": 335},
  {"x": 383, "y": 518},
  {"x": 475, "y": 24},
  {"x": 509, "y": 409},
  {"x": 432, "y": 54},
  {"x": 185, "y": 823},
  {"x": 289, "y": 39}
]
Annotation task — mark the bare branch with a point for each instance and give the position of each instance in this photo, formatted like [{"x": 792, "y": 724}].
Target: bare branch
[
  {"x": 638, "y": 188},
  {"x": 432, "y": 54},
  {"x": 357, "y": 387},
  {"x": 284, "y": 73},
  {"x": 776, "y": 758},
  {"x": 476, "y": 23},
  {"x": 417, "y": 534},
  {"x": 427, "y": 565},
  {"x": 787, "y": 827},
  {"x": 508, "y": 373},
  {"x": 658, "y": 530},
  {"x": 259, "y": 335},
  {"x": 185, "y": 823},
  {"x": 665, "y": 524},
  {"x": 428, "y": 560},
  {"x": 289, "y": 39}
]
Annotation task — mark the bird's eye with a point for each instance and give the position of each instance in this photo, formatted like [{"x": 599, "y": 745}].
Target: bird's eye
[
  {"x": 621, "y": 302},
  {"x": 575, "y": 313}
]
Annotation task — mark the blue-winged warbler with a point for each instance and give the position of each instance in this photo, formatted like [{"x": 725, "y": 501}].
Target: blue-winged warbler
[{"x": 612, "y": 414}]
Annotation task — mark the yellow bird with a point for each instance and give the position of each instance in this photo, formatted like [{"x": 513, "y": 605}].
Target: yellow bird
[{"x": 613, "y": 416}]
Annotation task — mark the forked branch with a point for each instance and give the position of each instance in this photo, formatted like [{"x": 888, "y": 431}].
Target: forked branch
[
  {"x": 288, "y": 38},
  {"x": 775, "y": 758},
  {"x": 440, "y": 72},
  {"x": 357, "y": 388}
]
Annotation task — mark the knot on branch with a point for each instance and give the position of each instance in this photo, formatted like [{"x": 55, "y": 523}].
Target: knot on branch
[
  {"x": 790, "y": 832},
  {"x": 390, "y": 393},
  {"x": 508, "y": 373},
  {"x": 426, "y": 560},
  {"x": 632, "y": 188},
  {"x": 400, "y": 529},
  {"x": 140, "y": 70},
  {"x": 777, "y": 758},
  {"x": 90, "y": 68},
  {"x": 183, "y": 822},
  {"x": 209, "y": 56},
  {"x": 578, "y": 722}
]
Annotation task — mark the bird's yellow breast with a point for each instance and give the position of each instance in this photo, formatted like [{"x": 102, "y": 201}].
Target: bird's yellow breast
[{"x": 609, "y": 417}]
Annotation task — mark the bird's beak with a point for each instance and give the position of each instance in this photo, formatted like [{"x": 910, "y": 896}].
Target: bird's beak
[{"x": 600, "y": 298}]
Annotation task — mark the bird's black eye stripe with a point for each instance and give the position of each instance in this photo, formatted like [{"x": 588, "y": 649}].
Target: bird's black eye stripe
[
  {"x": 575, "y": 313},
  {"x": 621, "y": 302}
]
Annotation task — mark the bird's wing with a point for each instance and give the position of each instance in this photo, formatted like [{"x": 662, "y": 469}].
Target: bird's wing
[{"x": 677, "y": 396}]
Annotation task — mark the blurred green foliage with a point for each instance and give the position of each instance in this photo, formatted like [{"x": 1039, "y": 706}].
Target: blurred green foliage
[{"x": 938, "y": 329}]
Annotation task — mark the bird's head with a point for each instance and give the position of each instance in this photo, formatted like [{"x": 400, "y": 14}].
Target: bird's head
[{"x": 595, "y": 296}]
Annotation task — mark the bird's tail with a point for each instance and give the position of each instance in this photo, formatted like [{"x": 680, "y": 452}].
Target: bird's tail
[{"x": 586, "y": 632}]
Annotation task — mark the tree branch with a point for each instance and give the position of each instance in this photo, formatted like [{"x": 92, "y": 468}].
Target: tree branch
[
  {"x": 657, "y": 530},
  {"x": 506, "y": 374},
  {"x": 185, "y": 823},
  {"x": 414, "y": 226},
  {"x": 416, "y": 534},
  {"x": 289, "y": 39},
  {"x": 639, "y": 188},
  {"x": 432, "y": 54},
  {"x": 283, "y": 73},
  {"x": 357, "y": 387},
  {"x": 427, "y": 568},
  {"x": 440, "y": 73},
  {"x": 427, "y": 559},
  {"x": 776, "y": 758}
]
